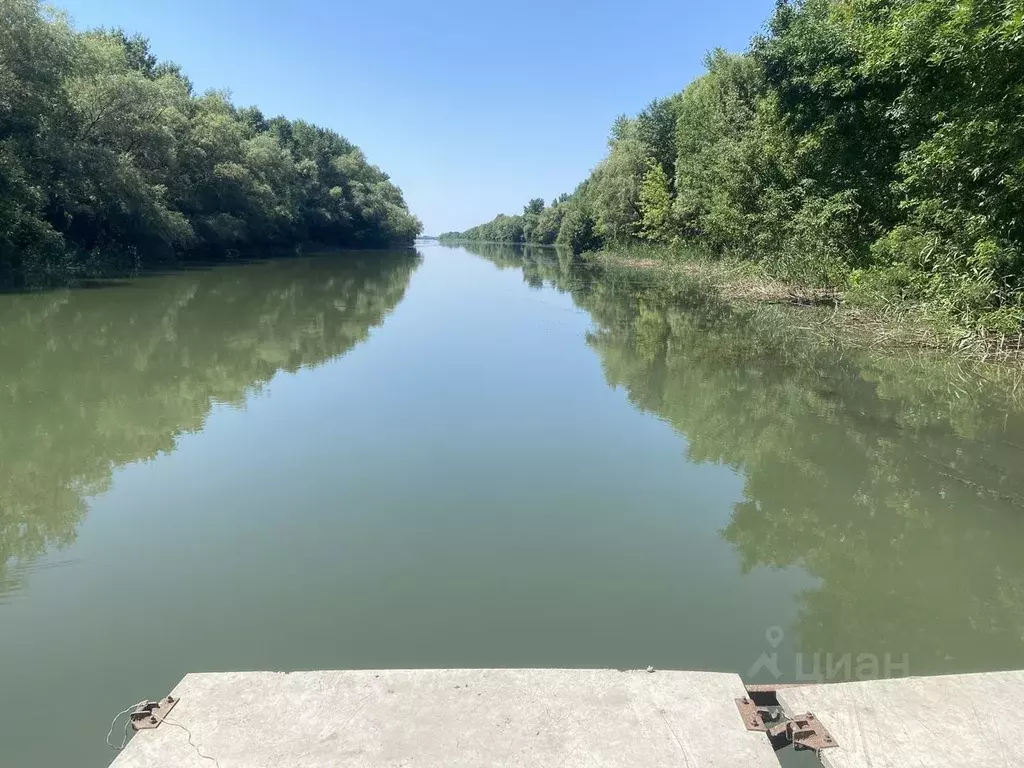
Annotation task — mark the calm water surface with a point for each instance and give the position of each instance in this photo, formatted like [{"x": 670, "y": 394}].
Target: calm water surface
[{"x": 475, "y": 459}]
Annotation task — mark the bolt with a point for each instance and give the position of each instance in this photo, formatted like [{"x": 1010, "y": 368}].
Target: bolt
[{"x": 152, "y": 720}]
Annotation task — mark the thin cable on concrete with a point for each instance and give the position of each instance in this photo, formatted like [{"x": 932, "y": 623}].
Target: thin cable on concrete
[
  {"x": 192, "y": 743},
  {"x": 110, "y": 732}
]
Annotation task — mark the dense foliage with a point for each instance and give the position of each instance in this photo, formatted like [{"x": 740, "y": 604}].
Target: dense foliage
[
  {"x": 108, "y": 158},
  {"x": 876, "y": 144}
]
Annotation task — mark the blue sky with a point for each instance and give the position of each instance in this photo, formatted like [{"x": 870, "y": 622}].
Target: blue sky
[{"x": 471, "y": 107}]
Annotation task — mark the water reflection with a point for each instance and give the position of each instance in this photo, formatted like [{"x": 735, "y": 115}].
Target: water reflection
[
  {"x": 94, "y": 379},
  {"x": 893, "y": 479}
]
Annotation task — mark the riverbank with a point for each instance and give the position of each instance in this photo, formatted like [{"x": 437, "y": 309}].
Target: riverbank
[
  {"x": 850, "y": 317},
  {"x": 151, "y": 170}
]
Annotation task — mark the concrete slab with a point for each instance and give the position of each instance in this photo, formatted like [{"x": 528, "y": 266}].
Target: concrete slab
[
  {"x": 956, "y": 721},
  {"x": 436, "y": 718}
]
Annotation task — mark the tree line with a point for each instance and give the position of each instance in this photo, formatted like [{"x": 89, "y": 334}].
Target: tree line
[
  {"x": 873, "y": 144},
  {"x": 109, "y": 159}
]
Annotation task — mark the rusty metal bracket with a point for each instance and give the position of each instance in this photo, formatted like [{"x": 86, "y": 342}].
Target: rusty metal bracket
[
  {"x": 152, "y": 713},
  {"x": 751, "y": 715},
  {"x": 807, "y": 732},
  {"x": 803, "y": 731}
]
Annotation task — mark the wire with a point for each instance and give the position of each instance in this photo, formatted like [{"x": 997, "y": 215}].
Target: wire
[
  {"x": 192, "y": 743},
  {"x": 137, "y": 708},
  {"x": 132, "y": 708}
]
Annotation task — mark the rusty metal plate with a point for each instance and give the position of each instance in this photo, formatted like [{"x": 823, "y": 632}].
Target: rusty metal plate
[
  {"x": 807, "y": 732},
  {"x": 751, "y": 715},
  {"x": 803, "y": 731},
  {"x": 152, "y": 713}
]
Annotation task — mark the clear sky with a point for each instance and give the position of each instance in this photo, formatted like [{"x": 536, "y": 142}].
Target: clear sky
[{"x": 472, "y": 106}]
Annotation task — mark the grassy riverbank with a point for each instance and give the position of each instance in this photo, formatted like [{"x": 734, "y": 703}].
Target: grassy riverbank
[
  {"x": 870, "y": 147},
  {"x": 844, "y": 312}
]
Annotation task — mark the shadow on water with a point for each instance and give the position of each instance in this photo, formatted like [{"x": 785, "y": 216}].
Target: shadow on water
[
  {"x": 895, "y": 480},
  {"x": 93, "y": 380},
  {"x": 115, "y": 276}
]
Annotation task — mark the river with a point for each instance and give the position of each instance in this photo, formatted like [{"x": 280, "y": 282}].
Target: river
[{"x": 476, "y": 458}]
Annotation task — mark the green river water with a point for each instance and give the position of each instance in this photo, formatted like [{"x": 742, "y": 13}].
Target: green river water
[{"x": 488, "y": 458}]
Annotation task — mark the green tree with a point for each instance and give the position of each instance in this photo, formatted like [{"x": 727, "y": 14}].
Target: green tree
[
  {"x": 715, "y": 183},
  {"x": 866, "y": 144},
  {"x": 656, "y": 131},
  {"x": 614, "y": 189},
  {"x": 655, "y": 204},
  {"x": 579, "y": 230},
  {"x": 535, "y": 206},
  {"x": 108, "y": 160},
  {"x": 548, "y": 223}
]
